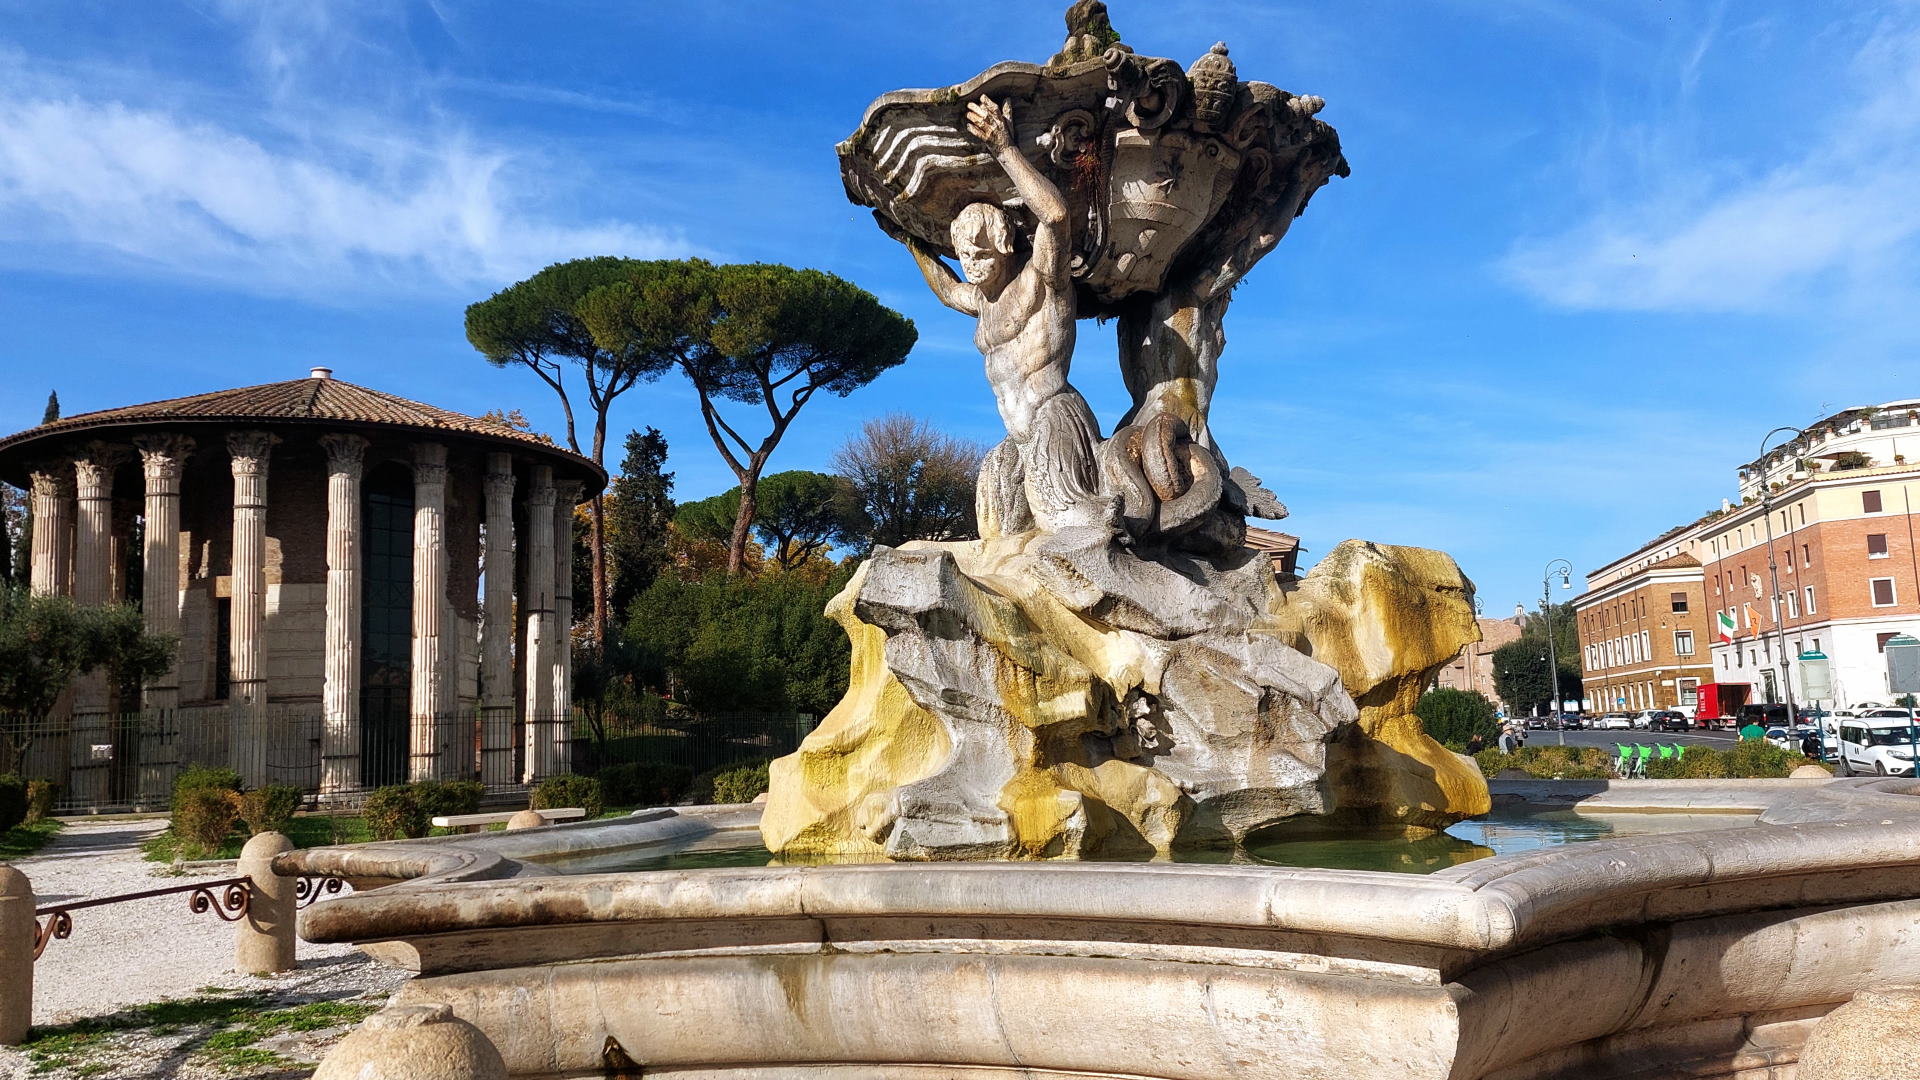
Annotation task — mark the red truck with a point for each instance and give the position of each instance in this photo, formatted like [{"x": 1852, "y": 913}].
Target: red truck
[{"x": 1718, "y": 704}]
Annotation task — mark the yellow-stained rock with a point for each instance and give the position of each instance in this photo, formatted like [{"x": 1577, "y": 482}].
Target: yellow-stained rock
[
  {"x": 1387, "y": 618},
  {"x": 987, "y": 718}
]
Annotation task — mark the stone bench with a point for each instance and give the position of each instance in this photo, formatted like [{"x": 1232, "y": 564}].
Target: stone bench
[{"x": 474, "y": 823}]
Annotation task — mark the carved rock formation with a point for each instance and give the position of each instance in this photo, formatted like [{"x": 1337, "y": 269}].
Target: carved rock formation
[{"x": 989, "y": 716}]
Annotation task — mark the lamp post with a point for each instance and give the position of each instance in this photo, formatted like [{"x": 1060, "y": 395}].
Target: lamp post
[
  {"x": 1773, "y": 570},
  {"x": 1565, "y": 570}
]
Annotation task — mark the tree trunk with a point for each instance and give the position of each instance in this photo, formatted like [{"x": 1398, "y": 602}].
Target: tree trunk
[
  {"x": 597, "y": 543},
  {"x": 743, "y": 521}
]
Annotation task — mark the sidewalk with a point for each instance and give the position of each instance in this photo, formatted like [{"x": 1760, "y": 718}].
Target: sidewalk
[{"x": 143, "y": 951}]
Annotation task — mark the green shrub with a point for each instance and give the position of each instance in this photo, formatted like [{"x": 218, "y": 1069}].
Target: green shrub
[
  {"x": 13, "y": 801},
  {"x": 394, "y": 812},
  {"x": 702, "y": 790},
  {"x": 1758, "y": 757},
  {"x": 440, "y": 798},
  {"x": 740, "y": 785},
  {"x": 641, "y": 784},
  {"x": 569, "y": 790},
  {"x": 267, "y": 809},
  {"x": 203, "y": 818},
  {"x": 40, "y": 798},
  {"x": 204, "y": 777},
  {"x": 1455, "y": 716},
  {"x": 1550, "y": 762}
]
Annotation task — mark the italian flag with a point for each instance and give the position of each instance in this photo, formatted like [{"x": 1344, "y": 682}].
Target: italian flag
[{"x": 1726, "y": 628}]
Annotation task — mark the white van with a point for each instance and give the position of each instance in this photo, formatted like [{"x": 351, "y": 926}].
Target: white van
[{"x": 1877, "y": 746}]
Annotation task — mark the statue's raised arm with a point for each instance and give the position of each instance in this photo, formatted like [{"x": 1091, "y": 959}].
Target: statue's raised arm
[{"x": 993, "y": 125}]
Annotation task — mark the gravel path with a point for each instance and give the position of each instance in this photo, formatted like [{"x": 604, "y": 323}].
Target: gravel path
[{"x": 149, "y": 950}]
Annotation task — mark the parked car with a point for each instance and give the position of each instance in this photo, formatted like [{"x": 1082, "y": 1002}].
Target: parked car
[
  {"x": 1673, "y": 720},
  {"x": 1888, "y": 712},
  {"x": 1769, "y": 715},
  {"x": 1783, "y": 738},
  {"x": 1644, "y": 719},
  {"x": 1614, "y": 721},
  {"x": 1572, "y": 721},
  {"x": 1877, "y": 745}
]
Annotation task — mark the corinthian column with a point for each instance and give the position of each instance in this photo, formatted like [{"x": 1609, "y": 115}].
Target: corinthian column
[
  {"x": 540, "y": 641},
  {"x": 247, "y": 618},
  {"x": 496, "y": 640},
  {"x": 161, "y": 458},
  {"x": 432, "y": 737},
  {"x": 52, "y": 531},
  {"x": 566, "y": 496},
  {"x": 93, "y": 586},
  {"x": 340, "y": 694}
]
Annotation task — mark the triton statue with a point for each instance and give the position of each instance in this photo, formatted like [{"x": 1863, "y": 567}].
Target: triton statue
[{"x": 1110, "y": 668}]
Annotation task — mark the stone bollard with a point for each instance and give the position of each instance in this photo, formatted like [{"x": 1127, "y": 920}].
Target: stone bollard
[
  {"x": 1809, "y": 772},
  {"x": 1876, "y": 1036},
  {"x": 525, "y": 819},
  {"x": 413, "y": 1042},
  {"x": 19, "y": 932},
  {"x": 263, "y": 941}
]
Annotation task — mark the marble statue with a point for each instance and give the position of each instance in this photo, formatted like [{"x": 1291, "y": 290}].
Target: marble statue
[{"x": 1109, "y": 669}]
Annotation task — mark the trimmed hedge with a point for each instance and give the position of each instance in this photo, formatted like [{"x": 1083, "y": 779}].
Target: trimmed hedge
[
  {"x": 13, "y": 801},
  {"x": 569, "y": 790},
  {"x": 1746, "y": 759},
  {"x": 740, "y": 784},
  {"x": 1550, "y": 762},
  {"x": 395, "y": 812},
  {"x": 40, "y": 797},
  {"x": 641, "y": 784},
  {"x": 266, "y": 809}
]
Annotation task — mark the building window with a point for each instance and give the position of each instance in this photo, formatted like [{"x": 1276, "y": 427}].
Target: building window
[
  {"x": 1679, "y": 602},
  {"x": 1882, "y": 591},
  {"x": 1880, "y": 640},
  {"x": 1809, "y": 594},
  {"x": 1683, "y": 643},
  {"x": 1876, "y": 545},
  {"x": 1806, "y": 556},
  {"x": 1793, "y": 605},
  {"x": 1870, "y": 502},
  {"x": 1802, "y": 508},
  {"x": 1816, "y": 644}
]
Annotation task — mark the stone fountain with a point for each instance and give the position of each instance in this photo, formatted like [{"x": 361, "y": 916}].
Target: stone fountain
[{"x": 1110, "y": 669}]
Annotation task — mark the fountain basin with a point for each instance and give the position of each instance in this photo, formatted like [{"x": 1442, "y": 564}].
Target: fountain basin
[{"x": 1696, "y": 953}]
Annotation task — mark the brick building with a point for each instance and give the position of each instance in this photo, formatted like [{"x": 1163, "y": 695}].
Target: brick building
[
  {"x": 1473, "y": 668},
  {"x": 1841, "y": 502},
  {"x": 1643, "y": 630}
]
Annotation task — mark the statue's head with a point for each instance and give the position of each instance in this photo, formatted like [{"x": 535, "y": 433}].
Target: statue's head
[{"x": 983, "y": 239}]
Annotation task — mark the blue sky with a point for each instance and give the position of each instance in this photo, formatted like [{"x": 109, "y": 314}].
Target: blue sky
[{"x": 1589, "y": 253}]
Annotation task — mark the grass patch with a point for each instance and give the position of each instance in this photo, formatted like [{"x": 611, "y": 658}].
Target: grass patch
[
  {"x": 222, "y": 1030},
  {"x": 306, "y": 830},
  {"x": 23, "y": 840}
]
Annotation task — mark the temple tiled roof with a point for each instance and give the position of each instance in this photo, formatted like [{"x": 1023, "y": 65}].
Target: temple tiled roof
[{"x": 320, "y": 400}]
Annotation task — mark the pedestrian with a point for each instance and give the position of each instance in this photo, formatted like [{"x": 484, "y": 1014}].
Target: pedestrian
[
  {"x": 1508, "y": 743},
  {"x": 1753, "y": 730},
  {"x": 1812, "y": 745},
  {"x": 1476, "y": 743}
]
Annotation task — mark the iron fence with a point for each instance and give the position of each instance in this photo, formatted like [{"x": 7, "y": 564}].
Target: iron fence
[{"x": 128, "y": 762}]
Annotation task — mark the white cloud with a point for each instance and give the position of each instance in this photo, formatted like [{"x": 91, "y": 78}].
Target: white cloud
[
  {"x": 1835, "y": 216},
  {"x": 193, "y": 198}
]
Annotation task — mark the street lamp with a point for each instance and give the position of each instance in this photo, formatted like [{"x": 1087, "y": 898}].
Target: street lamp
[
  {"x": 1565, "y": 570},
  {"x": 1773, "y": 569}
]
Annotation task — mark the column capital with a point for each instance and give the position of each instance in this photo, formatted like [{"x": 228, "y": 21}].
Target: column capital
[
  {"x": 566, "y": 493},
  {"x": 345, "y": 453},
  {"x": 540, "y": 492},
  {"x": 93, "y": 468},
  {"x": 162, "y": 456},
  {"x": 429, "y": 463},
  {"x": 52, "y": 480},
  {"x": 250, "y": 450}
]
